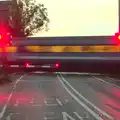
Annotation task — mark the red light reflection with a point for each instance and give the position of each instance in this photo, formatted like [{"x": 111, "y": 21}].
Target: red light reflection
[
  {"x": 111, "y": 103},
  {"x": 24, "y": 98}
]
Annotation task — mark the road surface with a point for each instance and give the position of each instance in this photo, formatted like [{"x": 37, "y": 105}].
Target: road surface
[{"x": 60, "y": 96}]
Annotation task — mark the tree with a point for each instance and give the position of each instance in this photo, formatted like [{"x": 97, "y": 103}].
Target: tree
[{"x": 32, "y": 16}]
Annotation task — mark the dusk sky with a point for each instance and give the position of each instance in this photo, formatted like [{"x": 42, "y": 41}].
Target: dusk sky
[{"x": 81, "y": 17}]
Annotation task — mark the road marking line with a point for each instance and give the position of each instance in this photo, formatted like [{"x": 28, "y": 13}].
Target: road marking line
[
  {"x": 25, "y": 80},
  {"x": 86, "y": 100},
  {"x": 38, "y": 72},
  {"x": 9, "y": 117},
  {"x": 105, "y": 81},
  {"x": 66, "y": 116},
  {"x": 80, "y": 102},
  {"x": 32, "y": 101},
  {"x": 80, "y": 73},
  {"x": 49, "y": 118},
  {"x": 113, "y": 78},
  {"x": 18, "y": 80},
  {"x": 75, "y": 73},
  {"x": 9, "y": 98},
  {"x": 51, "y": 104},
  {"x": 59, "y": 102},
  {"x": 78, "y": 116},
  {"x": 17, "y": 103},
  {"x": 14, "y": 73}
]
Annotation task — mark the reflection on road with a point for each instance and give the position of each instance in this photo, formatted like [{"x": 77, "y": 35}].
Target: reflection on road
[{"x": 58, "y": 96}]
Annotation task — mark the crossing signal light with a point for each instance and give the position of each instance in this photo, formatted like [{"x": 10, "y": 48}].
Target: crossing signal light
[
  {"x": 117, "y": 38},
  {"x": 27, "y": 64},
  {"x": 0, "y": 36},
  {"x": 57, "y": 65}
]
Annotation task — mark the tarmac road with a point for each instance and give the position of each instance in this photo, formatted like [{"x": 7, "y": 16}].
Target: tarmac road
[{"x": 60, "y": 96}]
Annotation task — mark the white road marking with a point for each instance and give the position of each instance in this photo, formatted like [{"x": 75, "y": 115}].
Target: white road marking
[
  {"x": 105, "y": 81},
  {"x": 45, "y": 101},
  {"x": 35, "y": 81},
  {"x": 11, "y": 114},
  {"x": 86, "y": 100},
  {"x": 32, "y": 101},
  {"x": 51, "y": 104},
  {"x": 59, "y": 102},
  {"x": 9, "y": 98},
  {"x": 80, "y": 102},
  {"x": 46, "y": 66},
  {"x": 18, "y": 80},
  {"x": 112, "y": 78},
  {"x": 14, "y": 73},
  {"x": 14, "y": 65},
  {"x": 74, "y": 73},
  {"x": 78, "y": 73},
  {"x": 17, "y": 103},
  {"x": 66, "y": 116},
  {"x": 78, "y": 115},
  {"x": 38, "y": 72},
  {"x": 49, "y": 118},
  {"x": 45, "y": 118}
]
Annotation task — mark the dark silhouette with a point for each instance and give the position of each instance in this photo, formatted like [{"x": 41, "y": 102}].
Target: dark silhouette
[{"x": 30, "y": 18}]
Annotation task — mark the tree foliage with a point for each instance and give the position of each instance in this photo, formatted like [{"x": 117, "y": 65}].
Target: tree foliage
[{"x": 33, "y": 17}]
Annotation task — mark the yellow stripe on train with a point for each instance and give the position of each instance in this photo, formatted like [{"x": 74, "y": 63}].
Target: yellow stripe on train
[
  {"x": 73, "y": 48},
  {"x": 9, "y": 49},
  {"x": 65, "y": 49}
]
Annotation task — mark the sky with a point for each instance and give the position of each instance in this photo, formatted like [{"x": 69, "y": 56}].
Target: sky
[{"x": 81, "y": 17}]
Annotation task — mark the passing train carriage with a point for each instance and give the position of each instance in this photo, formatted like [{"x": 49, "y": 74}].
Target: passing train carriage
[{"x": 63, "y": 53}]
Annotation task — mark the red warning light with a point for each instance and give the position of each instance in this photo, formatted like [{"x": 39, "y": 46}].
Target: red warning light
[
  {"x": 57, "y": 65},
  {"x": 27, "y": 64},
  {"x": 4, "y": 39},
  {"x": 117, "y": 38},
  {"x": 0, "y": 36}
]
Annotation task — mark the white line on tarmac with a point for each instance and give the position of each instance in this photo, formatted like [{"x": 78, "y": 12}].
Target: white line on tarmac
[
  {"x": 86, "y": 100},
  {"x": 80, "y": 102},
  {"x": 14, "y": 73},
  {"x": 105, "y": 81},
  {"x": 49, "y": 118},
  {"x": 17, "y": 103},
  {"x": 113, "y": 78},
  {"x": 25, "y": 80},
  {"x": 51, "y": 104},
  {"x": 59, "y": 102},
  {"x": 79, "y": 73},
  {"x": 78, "y": 116},
  {"x": 9, "y": 98}
]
